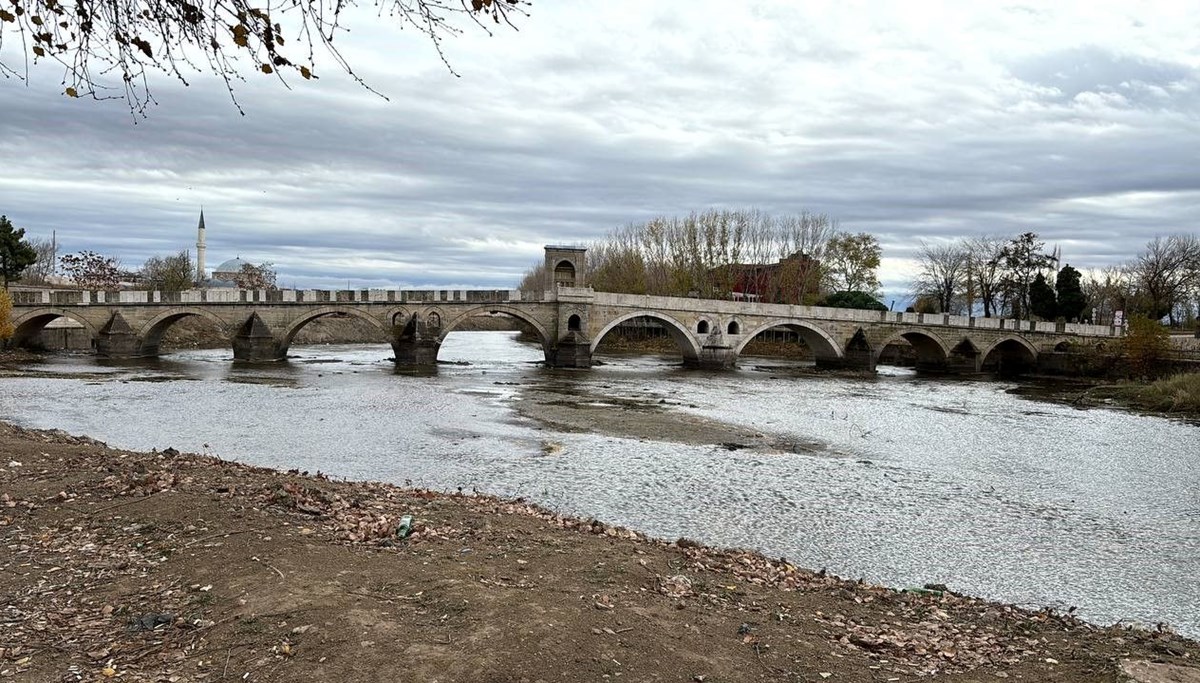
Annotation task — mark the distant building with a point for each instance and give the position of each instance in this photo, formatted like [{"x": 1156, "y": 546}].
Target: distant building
[
  {"x": 793, "y": 280},
  {"x": 201, "y": 248},
  {"x": 226, "y": 274}
]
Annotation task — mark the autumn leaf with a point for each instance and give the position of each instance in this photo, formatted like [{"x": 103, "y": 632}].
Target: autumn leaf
[
  {"x": 72, "y": 92},
  {"x": 240, "y": 35},
  {"x": 7, "y": 16},
  {"x": 266, "y": 68},
  {"x": 37, "y": 50},
  {"x": 305, "y": 72}
]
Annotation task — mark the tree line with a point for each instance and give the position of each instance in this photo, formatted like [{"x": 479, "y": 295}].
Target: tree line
[
  {"x": 806, "y": 259},
  {"x": 801, "y": 258},
  {"x": 1017, "y": 277},
  {"x": 35, "y": 261}
]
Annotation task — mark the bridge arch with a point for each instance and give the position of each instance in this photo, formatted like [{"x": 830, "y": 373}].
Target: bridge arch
[
  {"x": 151, "y": 334},
  {"x": 289, "y": 333},
  {"x": 931, "y": 349},
  {"x": 448, "y": 326},
  {"x": 1010, "y": 354},
  {"x": 678, "y": 331},
  {"x": 29, "y": 324},
  {"x": 822, "y": 344}
]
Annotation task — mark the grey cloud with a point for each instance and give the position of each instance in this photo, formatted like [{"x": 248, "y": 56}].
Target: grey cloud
[
  {"x": 459, "y": 182},
  {"x": 1092, "y": 69}
]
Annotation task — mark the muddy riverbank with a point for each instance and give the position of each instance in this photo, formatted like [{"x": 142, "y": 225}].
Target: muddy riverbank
[{"x": 168, "y": 566}]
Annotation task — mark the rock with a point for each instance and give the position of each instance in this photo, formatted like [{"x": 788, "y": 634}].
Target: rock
[
  {"x": 149, "y": 622},
  {"x": 1149, "y": 672}
]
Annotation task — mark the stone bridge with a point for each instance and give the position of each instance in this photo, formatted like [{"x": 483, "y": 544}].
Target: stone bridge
[{"x": 570, "y": 322}]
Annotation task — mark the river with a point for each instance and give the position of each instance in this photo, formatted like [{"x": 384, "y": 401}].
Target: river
[{"x": 898, "y": 479}]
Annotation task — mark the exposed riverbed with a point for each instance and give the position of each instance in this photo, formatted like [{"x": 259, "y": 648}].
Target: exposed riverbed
[{"x": 898, "y": 479}]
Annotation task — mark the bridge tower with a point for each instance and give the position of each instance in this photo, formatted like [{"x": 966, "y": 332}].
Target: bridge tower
[{"x": 565, "y": 267}]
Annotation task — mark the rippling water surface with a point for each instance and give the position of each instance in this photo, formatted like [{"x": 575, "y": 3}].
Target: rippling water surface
[{"x": 903, "y": 480}]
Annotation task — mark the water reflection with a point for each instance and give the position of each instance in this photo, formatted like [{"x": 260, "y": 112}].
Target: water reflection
[{"x": 896, "y": 478}]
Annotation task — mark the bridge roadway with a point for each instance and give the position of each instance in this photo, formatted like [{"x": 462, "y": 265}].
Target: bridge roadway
[{"x": 570, "y": 322}]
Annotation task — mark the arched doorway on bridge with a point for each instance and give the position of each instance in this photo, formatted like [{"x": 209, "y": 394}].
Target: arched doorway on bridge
[
  {"x": 333, "y": 326},
  {"x": 646, "y": 336},
  {"x": 912, "y": 348},
  {"x": 782, "y": 343},
  {"x": 789, "y": 342},
  {"x": 52, "y": 331},
  {"x": 1009, "y": 357},
  {"x": 183, "y": 330},
  {"x": 492, "y": 334}
]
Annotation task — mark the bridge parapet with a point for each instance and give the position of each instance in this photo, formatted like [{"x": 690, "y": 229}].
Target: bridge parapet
[
  {"x": 76, "y": 297},
  {"x": 848, "y": 315}
]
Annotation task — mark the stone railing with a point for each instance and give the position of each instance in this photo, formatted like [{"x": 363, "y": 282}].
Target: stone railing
[
  {"x": 60, "y": 297},
  {"x": 666, "y": 303}
]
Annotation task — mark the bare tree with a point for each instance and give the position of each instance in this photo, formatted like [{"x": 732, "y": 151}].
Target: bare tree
[
  {"x": 802, "y": 243},
  {"x": 655, "y": 237},
  {"x": 89, "y": 270},
  {"x": 46, "y": 264},
  {"x": 985, "y": 273},
  {"x": 168, "y": 273},
  {"x": 706, "y": 253},
  {"x": 533, "y": 283},
  {"x": 262, "y": 276},
  {"x": 616, "y": 264},
  {"x": 1106, "y": 291},
  {"x": 943, "y": 274},
  {"x": 1167, "y": 274},
  {"x": 129, "y": 40}
]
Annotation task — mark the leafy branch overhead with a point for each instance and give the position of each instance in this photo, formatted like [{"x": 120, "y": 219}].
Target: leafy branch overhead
[{"x": 110, "y": 48}]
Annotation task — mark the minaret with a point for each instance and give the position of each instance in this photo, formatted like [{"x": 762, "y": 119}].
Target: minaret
[{"x": 200, "y": 250}]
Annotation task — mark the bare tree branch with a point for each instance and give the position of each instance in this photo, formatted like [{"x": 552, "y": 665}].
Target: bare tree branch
[{"x": 110, "y": 48}]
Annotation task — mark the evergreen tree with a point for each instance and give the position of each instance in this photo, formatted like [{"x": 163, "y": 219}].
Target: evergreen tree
[
  {"x": 853, "y": 299},
  {"x": 1021, "y": 259},
  {"x": 1042, "y": 302},
  {"x": 16, "y": 254},
  {"x": 1071, "y": 301}
]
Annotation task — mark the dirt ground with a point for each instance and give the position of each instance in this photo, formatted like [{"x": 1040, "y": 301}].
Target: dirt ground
[{"x": 175, "y": 567}]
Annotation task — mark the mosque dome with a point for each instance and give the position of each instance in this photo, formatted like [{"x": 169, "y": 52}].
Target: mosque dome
[{"x": 233, "y": 265}]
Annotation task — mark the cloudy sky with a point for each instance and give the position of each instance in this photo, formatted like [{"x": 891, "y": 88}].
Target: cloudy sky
[{"x": 913, "y": 121}]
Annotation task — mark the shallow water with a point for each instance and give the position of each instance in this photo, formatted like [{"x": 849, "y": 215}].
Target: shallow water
[{"x": 898, "y": 479}]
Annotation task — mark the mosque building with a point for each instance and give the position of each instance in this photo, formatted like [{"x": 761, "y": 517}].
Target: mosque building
[{"x": 224, "y": 275}]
